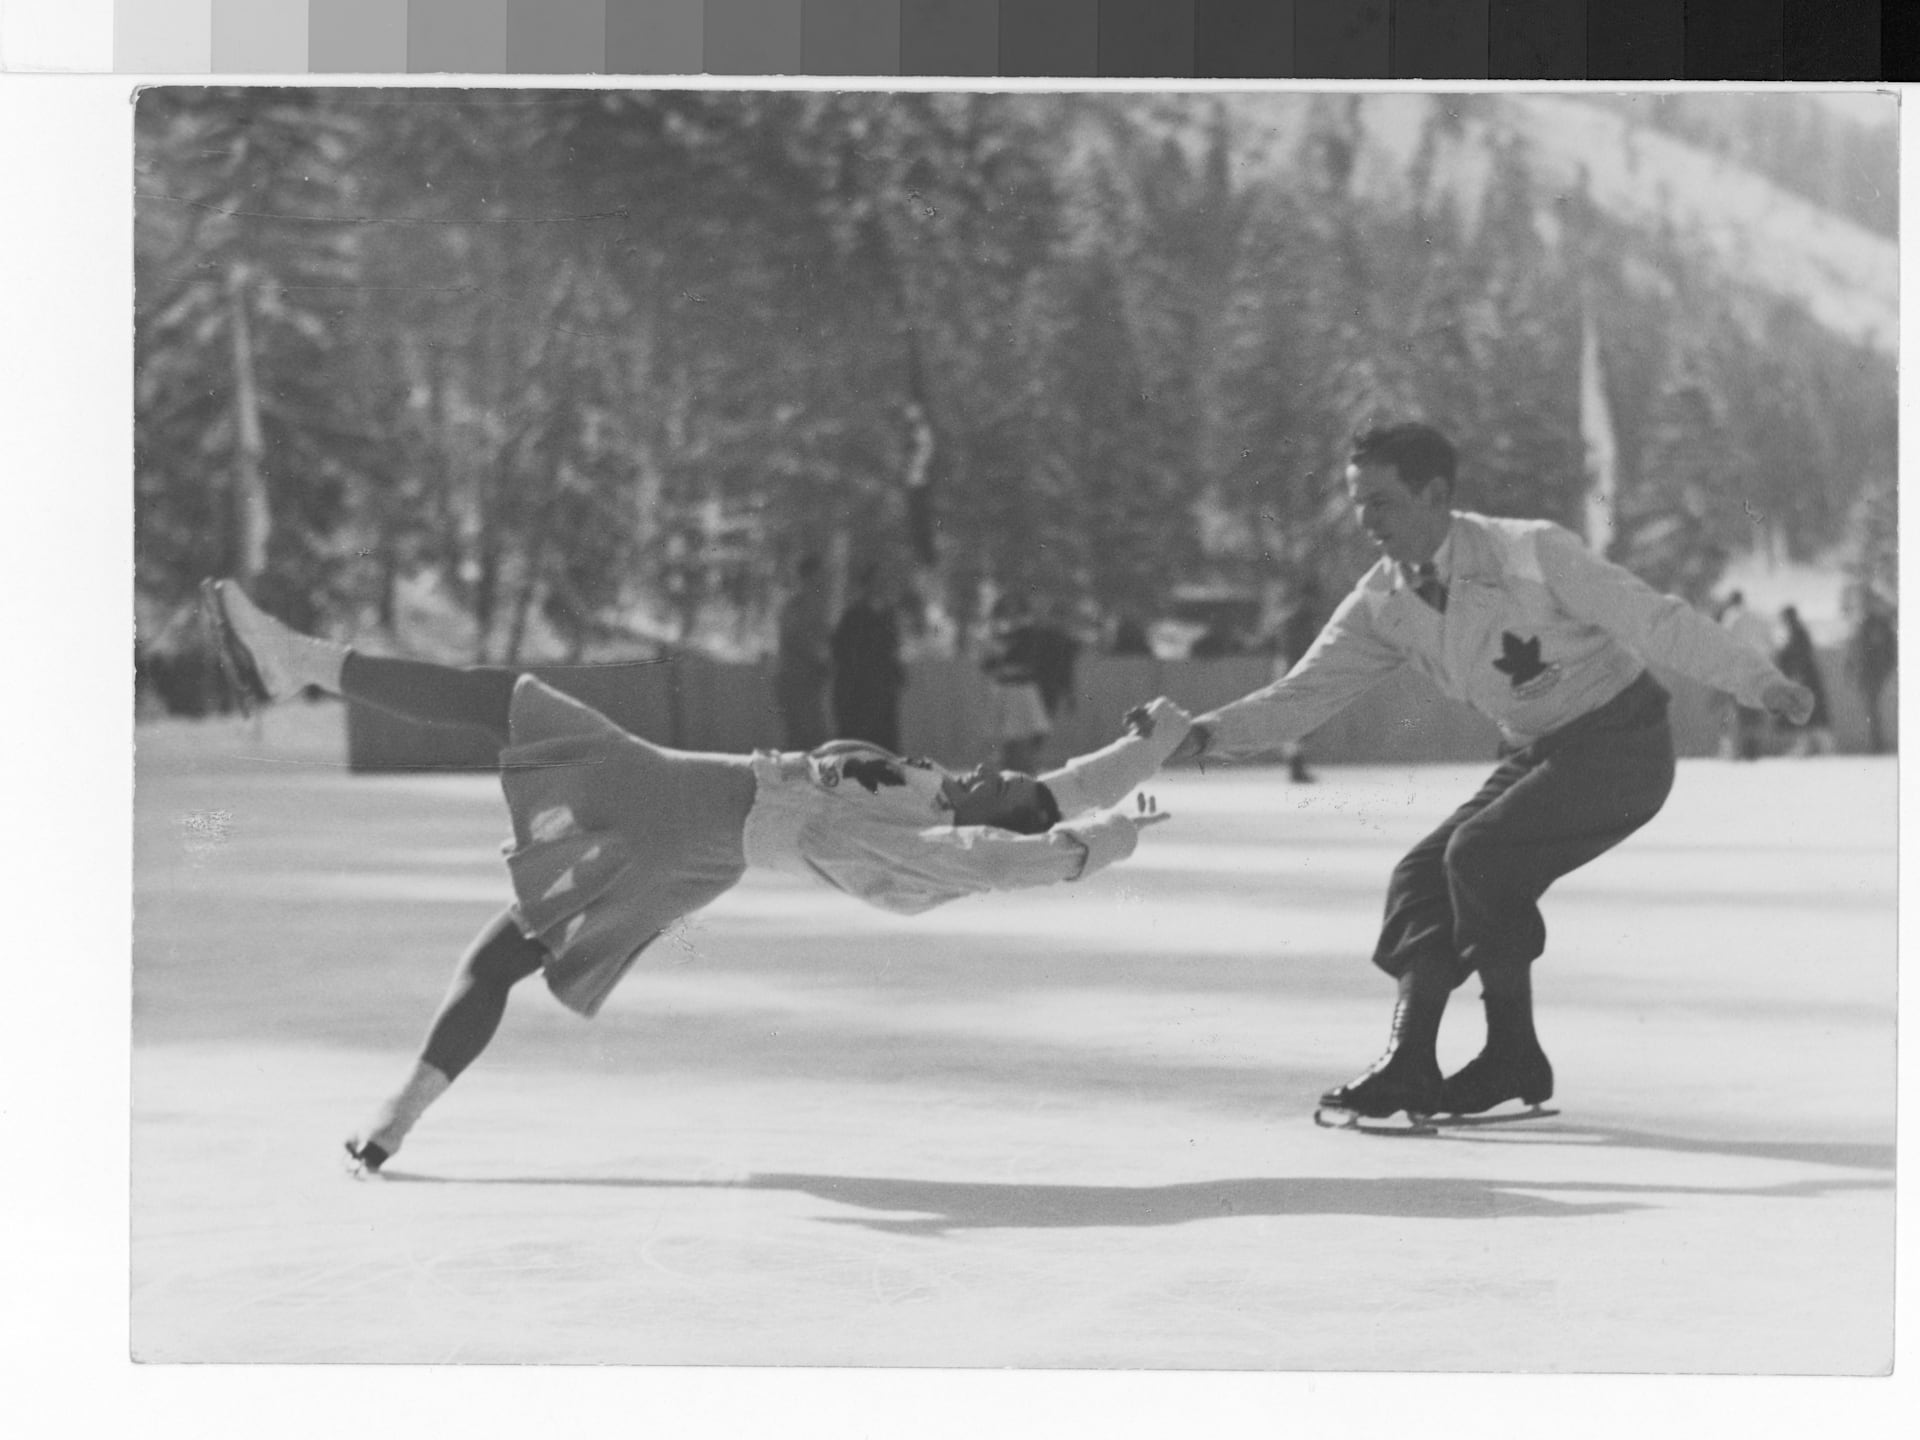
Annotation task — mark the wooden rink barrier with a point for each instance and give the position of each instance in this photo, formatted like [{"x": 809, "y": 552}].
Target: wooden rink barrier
[{"x": 692, "y": 703}]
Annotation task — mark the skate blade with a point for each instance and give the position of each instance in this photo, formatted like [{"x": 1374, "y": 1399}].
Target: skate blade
[
  {"x": 1330, "y": 1117},
  {"x": 1504, "y": 1117}
]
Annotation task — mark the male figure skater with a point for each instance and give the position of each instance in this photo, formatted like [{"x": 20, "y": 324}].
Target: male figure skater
[
  {"x": 1521, "y": 621},
  {"x": 614, "y": 839}
]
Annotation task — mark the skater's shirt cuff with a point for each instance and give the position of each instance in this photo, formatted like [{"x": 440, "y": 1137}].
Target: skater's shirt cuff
[{"x": 1109, "y": 837}]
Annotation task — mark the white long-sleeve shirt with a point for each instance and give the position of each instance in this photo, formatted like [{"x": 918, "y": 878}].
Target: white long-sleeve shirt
[
  {"x": 1537, "y": 632},
  {"x": 861, "y": 820}
]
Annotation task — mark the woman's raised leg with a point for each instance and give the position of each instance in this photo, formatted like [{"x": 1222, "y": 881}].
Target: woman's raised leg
[{"x": 276, "y": 661}]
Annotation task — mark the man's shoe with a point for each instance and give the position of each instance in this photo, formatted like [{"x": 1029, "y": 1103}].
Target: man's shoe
[
  {"x": 252, "y": 645},
  {"x": 1398, "y": 1080},
  {"x": 1496, "y": 1075}
]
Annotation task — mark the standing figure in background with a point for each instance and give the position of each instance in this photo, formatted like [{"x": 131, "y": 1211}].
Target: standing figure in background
[
  {"x": 868, "y": 675},
  {"x": 1130, "y": 638},
  {"x": 804, "y": 663},
  {"x": 1796, "y": 660},
  {"x": 1745, "y": 723},
  {"x": 1017, "y": 718},
  {"x": 1056, "y": 662},
  {"x": 1872, "y": 655}
]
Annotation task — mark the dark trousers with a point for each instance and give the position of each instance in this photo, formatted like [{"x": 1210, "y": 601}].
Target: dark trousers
[
  {"x": 480, "y": 696},
  {"x": 1467, "y": 897}
]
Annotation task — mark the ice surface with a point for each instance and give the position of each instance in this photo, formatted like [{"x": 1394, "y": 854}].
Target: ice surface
[{"x": 1070, "y": 1128}]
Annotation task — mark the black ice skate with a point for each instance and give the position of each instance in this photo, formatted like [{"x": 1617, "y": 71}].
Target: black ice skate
[
  {"x": 1398, "y": 1081},
  {"x": 1498, "y": 1074},
  {"x": 364, "y": 1158}
]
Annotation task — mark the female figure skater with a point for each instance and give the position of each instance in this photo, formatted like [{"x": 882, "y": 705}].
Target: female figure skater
[{"x": 614, "y": 838}]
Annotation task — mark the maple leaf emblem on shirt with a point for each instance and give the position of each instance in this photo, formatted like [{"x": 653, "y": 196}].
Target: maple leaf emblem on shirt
[
  {"x": 873, "y": 774},
  {"x": 1519, "y": 659}
]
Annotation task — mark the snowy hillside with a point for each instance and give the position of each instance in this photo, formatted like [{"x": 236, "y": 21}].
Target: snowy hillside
[{"x": 1847, "y": 275}]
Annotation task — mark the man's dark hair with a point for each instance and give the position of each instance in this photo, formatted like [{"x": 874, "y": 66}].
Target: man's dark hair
[
  {"x": 1035, "y": 819},
  {"x": 1419, "y": 453}
]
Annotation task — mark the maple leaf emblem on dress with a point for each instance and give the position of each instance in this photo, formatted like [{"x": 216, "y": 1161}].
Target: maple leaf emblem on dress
[
  {"x": 1519, "y": 659},
  {"x": 873, "y": 774}
]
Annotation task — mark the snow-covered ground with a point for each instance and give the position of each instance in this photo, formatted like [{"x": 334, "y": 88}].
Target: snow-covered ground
[{"x": 1061, "y": 1129}]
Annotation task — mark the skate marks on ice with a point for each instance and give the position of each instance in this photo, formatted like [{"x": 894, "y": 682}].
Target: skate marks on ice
[
  {"x": 555, "y": 1216},
  {"x": 1530, "y": 1128},
  {"x": 1336, "y": 1117},
  {"x": 1012, "y": 1141}
]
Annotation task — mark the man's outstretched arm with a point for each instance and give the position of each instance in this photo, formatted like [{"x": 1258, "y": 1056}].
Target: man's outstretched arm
[
  {"x": 1346, "y": 661},
  {"x": 1665, "y": 628}
]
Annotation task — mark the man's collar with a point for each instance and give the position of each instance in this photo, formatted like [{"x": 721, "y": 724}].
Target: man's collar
[{"x": 1442, "y": 561}]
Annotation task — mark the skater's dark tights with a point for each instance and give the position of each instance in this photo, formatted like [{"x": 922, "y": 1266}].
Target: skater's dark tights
[
  {"x": 479, "y": 696},
  {"x": 499, "y": 958}
]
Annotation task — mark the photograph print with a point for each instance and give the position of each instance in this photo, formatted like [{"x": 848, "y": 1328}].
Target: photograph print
[{"x": 1160, "y": 730}]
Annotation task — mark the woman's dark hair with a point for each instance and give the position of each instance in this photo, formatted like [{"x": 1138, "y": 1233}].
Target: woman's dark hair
[
  {"x": 1035, "y": 819},
  {"x": 1419, "y": 453}
]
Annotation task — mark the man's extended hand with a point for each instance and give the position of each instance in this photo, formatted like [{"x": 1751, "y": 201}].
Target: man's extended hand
[{"x": 1792, "y": 703}]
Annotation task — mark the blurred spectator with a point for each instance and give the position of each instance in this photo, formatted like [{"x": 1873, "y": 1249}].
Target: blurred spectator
[
  {"x": 1056, "y": 660},
  {"x": 1746, "y": 726},
  {"x": 867, "y": 674},
  {"x": 1872, "y": 655},
  {"x": 805, "y": 662},
  {"x": 1130, "y": 637},
  {"x": 1017, "y": 713},
  {"x": 1796, "y": 660}
]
